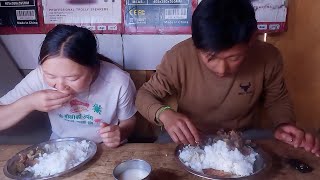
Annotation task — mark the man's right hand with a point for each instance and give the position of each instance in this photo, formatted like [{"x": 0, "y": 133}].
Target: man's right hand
[
  {"x": 47, "y": 100},
  {"x": 179, "y": 127}
]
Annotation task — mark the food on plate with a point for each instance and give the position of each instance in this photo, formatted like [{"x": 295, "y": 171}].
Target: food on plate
[
  {"x": 53, "y": 159},
  {"x": 28, "y": 159},
  {"x": 227, "y": 156}
]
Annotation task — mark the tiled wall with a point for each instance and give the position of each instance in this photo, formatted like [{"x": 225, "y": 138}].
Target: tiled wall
[{"x": 134, "y": 52}]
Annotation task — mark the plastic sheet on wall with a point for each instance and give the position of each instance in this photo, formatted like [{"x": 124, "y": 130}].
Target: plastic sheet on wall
[
  {"x": 271, "y": 15},
  {"x": 158, "y": 16},
  {"x": 100, "y": 16},
  {"x": 20, "y": 17},
  {"x": 174, "y": 16},
  {"x": 121, "y": 16}
]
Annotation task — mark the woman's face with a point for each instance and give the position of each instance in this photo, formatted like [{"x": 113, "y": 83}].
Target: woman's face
[{"x": 66, "y": 75}]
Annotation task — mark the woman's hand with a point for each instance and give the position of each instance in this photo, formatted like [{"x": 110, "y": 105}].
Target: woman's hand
[
  {"x": 46, "y": 100},
  {"x": 296, "y": 137},
  {"x": 110, "y": 134}
]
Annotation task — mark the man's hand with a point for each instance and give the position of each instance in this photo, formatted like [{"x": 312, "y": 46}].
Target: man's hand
[
  {"x": 296, "y": 137},
  {"x": 179, "y": 127}
]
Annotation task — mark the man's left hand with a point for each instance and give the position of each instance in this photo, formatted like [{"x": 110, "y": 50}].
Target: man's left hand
[{"x": 296, "y": 137}]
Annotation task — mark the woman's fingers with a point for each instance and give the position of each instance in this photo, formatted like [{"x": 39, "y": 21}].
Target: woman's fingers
[
  {"x": 110, "y": 134},
  {"x": 53, "y": 94},
  {"x": 53, "y": 107},
  {"x": 112, "y": 145},
  {"x": 108, "y": 129},
  {"x": 111, "y": 140},
  {"x": 59, "y": 101}
]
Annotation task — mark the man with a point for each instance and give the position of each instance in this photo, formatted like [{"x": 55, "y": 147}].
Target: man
[{"x": 219, "y": 77}]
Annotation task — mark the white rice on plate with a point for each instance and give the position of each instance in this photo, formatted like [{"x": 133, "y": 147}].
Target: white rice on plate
[
  {"x": 219, "y": 157},
  {"x": 63, "y": 156}
]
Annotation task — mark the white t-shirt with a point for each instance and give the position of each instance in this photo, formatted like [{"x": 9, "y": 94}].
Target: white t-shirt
[{"x": 110, "y": 99}]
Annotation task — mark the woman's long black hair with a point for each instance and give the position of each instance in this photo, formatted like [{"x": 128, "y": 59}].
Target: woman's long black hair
[{"x": 75, "y": 43}]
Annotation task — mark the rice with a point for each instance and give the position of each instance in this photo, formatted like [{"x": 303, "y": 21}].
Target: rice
[
  {"x": 63, "y": 156},
  {"x": 219, "y": 157}
]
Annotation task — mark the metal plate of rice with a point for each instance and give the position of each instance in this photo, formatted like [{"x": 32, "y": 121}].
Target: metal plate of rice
[
  {"x": 10, "y": 169},
  {"x": 261, "y": 164}
]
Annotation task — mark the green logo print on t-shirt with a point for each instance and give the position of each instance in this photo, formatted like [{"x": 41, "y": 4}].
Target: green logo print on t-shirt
[
  {"x": 97, "y": 108},
  {"x": 79, "y": 113}
]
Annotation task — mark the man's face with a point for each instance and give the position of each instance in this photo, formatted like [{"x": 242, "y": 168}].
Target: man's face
[{"x": 225, "y": 63}]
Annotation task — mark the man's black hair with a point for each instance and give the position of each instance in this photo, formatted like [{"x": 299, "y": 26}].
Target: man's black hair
[{"x": 218, "y": 25}]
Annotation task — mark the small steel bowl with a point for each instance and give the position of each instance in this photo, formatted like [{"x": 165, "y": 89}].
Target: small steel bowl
[{"x": 130, "y": 165}]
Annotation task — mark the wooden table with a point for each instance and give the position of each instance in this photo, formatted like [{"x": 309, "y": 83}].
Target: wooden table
[{"x": 161, "y": 157}]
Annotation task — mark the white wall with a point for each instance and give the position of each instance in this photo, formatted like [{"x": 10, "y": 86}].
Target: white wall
[
  {"x": 144, "y": 52},
  {"x": 25, "y": 48},
  {"x": 7, "y": 68},
  {"x": 135, "y": 52}
]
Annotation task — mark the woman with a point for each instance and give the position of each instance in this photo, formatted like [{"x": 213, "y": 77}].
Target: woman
[{"x": 83, "y": 96}]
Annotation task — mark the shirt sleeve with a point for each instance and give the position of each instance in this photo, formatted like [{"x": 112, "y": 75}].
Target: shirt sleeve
[
  {"x": 30, "y": 84},
  {"x": 277, "y": 103},
  {"x": 126, "y": 107},
  {"x": 164, "y": 82}
]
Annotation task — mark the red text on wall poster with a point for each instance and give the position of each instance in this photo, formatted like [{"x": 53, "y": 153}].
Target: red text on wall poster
[
  {"x": 100, "y": 16},
  {"x": 158, "y": 16},
  {"x": 20, "y": 17}
]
